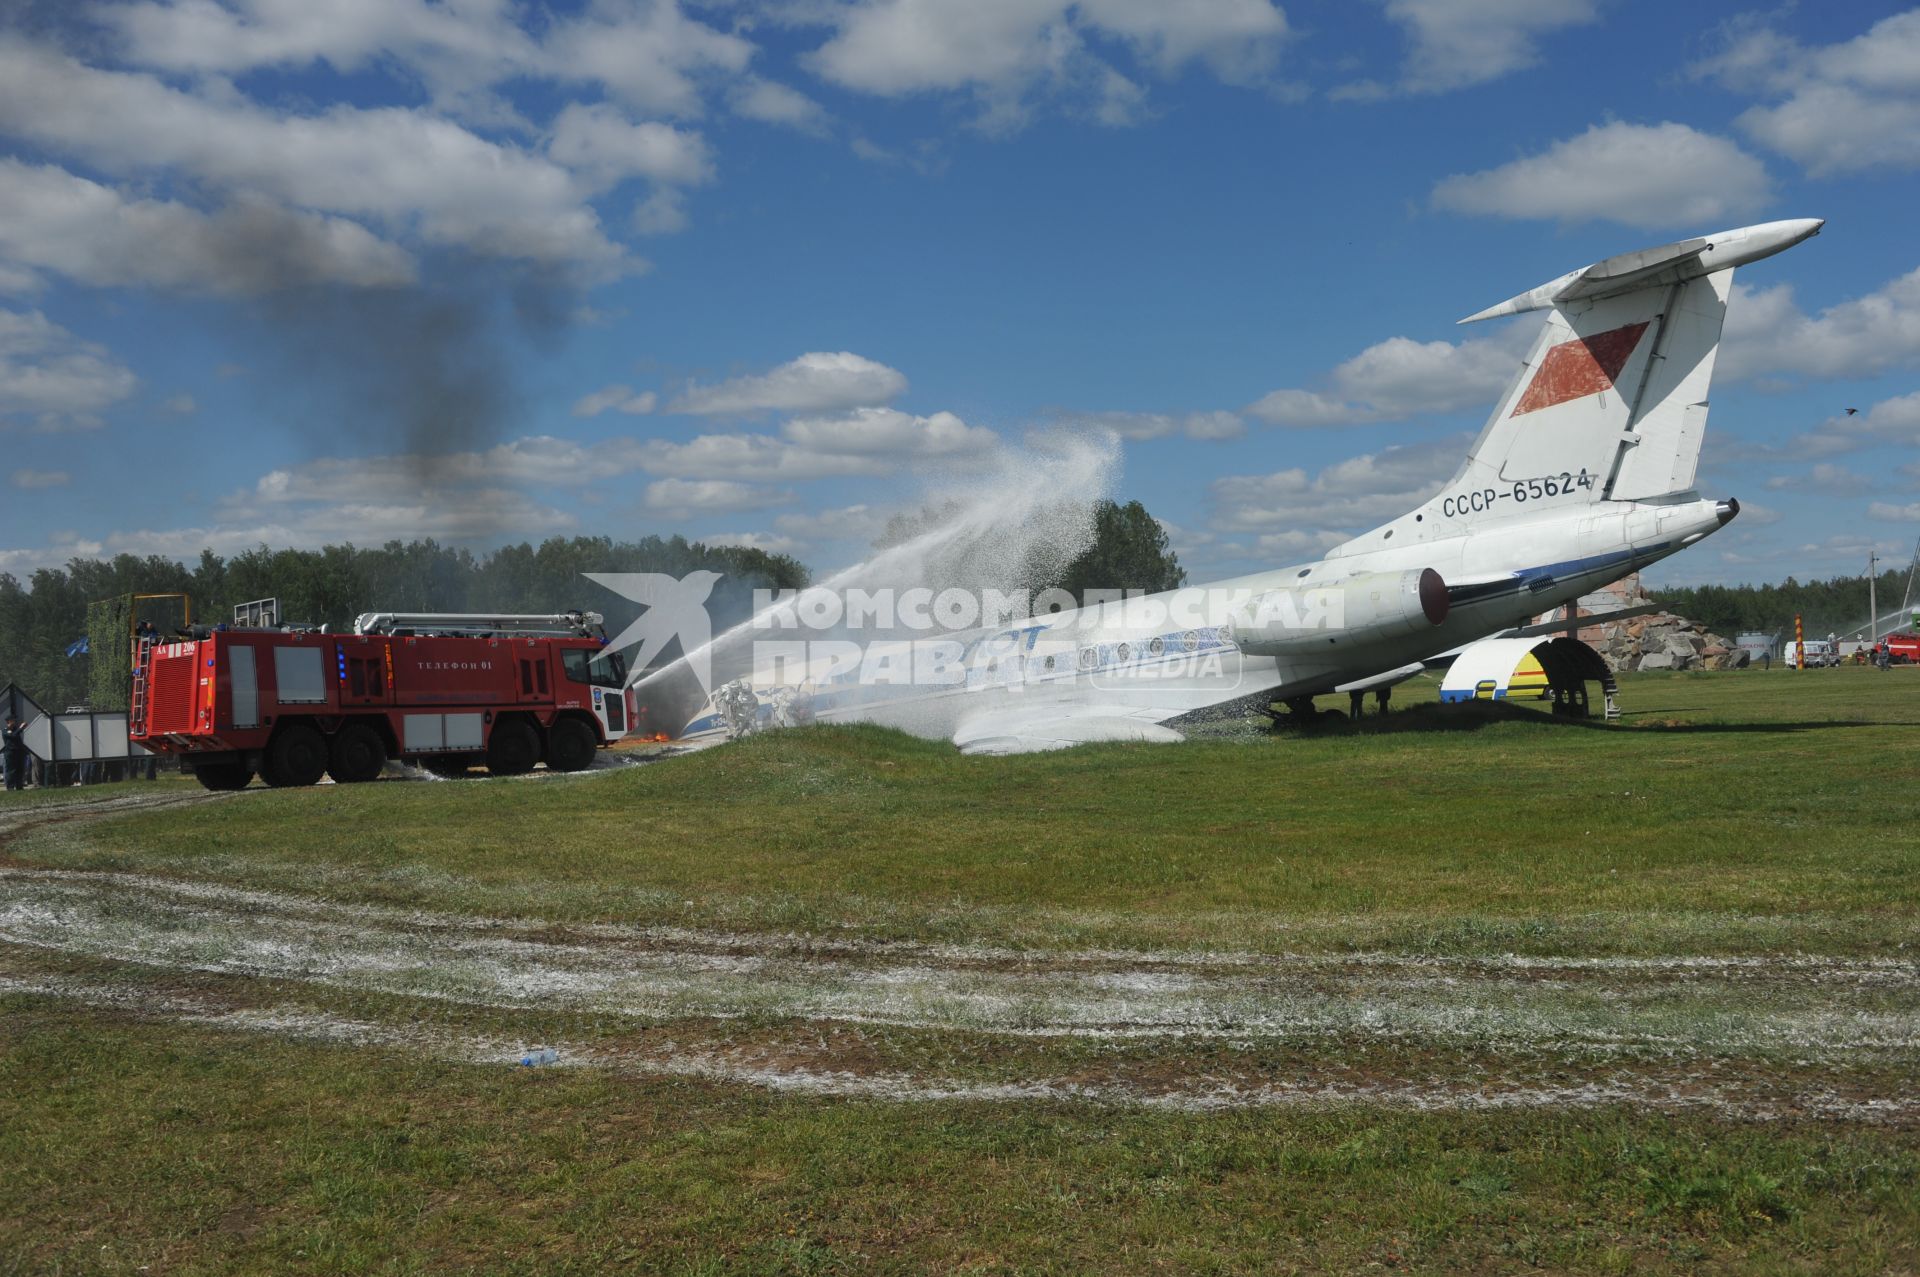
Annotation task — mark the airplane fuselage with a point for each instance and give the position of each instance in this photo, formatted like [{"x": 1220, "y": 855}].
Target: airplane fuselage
[{"x": 1164, "y": 654}]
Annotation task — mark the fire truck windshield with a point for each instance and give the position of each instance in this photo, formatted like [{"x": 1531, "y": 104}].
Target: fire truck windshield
[{"x": 601, "y": 669}]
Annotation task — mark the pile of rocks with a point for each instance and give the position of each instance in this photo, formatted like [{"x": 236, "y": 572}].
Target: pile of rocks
[
  {"x": 1659, "y": 641},
  {"x": 1663, "y": 641}
]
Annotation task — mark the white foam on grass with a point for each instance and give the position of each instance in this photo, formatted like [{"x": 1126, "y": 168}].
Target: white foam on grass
[
  {"x": 1136, "y": 964},
  {"x": 1195, "y": 1095},
  {"x": 1817, "y": 1008}
]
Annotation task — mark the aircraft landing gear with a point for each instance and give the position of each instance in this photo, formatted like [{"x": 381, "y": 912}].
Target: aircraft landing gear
[{"x": 1300, "y": 712}]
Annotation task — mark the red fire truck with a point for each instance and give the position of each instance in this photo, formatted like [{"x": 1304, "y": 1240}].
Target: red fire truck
[{"x": 448, "y": 692}]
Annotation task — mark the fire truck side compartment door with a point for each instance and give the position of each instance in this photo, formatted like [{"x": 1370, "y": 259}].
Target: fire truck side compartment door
[
  {"x": 245, "y": 680},
  {"x": 297, "y": 671},
  {"x": 425, "y": 731},
  {"x": 463, "y": 731}
]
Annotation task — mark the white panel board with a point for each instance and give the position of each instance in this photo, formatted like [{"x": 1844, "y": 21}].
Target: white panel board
[
  {"x": 246, "y": 686},
  {"x": 297, "y": 671},
  {"x": 464, "y": 731},
  {"x": 72, "y": 737},
  {"x": 110, "y": 736}
]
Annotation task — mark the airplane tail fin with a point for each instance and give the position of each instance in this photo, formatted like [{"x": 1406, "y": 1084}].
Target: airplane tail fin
[{"x": 1612, "y": 400}]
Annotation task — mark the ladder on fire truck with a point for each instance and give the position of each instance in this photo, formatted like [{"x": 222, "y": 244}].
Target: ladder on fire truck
[
  {"x": 481, "y": 624},
  {"x": 138, "y": 641}
]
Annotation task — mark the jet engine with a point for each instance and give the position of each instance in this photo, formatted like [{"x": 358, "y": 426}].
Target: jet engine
[{"x": 1358, "y": 611}]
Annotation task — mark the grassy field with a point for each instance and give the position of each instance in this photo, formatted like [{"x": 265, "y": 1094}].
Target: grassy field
[
  {"x": 1764, "y": 810},
  {"x": 1449, "y": 991}
]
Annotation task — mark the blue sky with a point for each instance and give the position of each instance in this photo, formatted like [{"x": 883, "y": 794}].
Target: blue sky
[{"x": 296, "y": 272}]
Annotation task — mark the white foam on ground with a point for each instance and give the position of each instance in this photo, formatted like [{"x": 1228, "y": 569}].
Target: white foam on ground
[
  {"x": 1819, "y": 1008},
  {"x": 1196, "y": 1095}
]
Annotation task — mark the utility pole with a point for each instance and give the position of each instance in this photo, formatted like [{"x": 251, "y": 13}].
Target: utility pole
[{"x": 1873, "y": 600}]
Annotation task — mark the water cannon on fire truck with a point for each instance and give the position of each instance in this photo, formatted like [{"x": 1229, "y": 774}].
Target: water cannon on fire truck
[{"x": 447, "y": 691}]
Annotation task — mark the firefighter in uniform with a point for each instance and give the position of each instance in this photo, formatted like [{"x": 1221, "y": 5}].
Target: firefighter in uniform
[{"x": 13, "y": 745}]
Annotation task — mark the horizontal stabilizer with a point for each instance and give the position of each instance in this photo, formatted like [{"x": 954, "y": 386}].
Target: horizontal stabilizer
[
  {"x": 1655, "y": 267},
  {"x": 1386, "y": 679},
  {"x": 1582, "y": 622}
]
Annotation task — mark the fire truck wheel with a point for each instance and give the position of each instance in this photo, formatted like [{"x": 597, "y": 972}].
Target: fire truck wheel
[
  {"x": 358, "y": 754},
  {"x": 513, "y": 749},
  {"x": 297, "y": 756},
  {"x": 570, "y": 746},
  {"x": 219, "y": 776}
]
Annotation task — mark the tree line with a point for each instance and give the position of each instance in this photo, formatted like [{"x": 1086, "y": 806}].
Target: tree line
[
  {"x": 55, "y": 608},
  {"x": 1837, "y": 605},
  {"x": 41, "y": 618}
]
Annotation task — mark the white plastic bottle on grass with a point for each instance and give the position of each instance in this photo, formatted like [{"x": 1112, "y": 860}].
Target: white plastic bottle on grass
[{"x": 538, "y": 1056}]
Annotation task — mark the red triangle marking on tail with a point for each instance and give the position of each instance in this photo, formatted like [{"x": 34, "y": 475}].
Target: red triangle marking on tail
[{"x": 1581, "y": 367}]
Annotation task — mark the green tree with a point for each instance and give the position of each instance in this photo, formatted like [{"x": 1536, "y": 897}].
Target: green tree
[{"x": 1129, "y": 552}]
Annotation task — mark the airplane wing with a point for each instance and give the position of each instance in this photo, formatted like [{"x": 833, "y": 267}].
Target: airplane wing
[{"x": 1028, "y": 730}]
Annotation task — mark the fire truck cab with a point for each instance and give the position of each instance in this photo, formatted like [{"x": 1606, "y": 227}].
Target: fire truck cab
[{"x": 447, "y": 692}]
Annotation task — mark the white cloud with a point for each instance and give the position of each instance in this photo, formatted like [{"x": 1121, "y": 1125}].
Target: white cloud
[
  {"x": 759, "y": 457},
  {"x": 1160, "y": 425},
  {"x": 1909, "y": 513},
  {"x": 52, "y": 377},
  {"x": 1272, "y": 545},
  {"x": 865, "y": 441},
  {"x": 1831, "y": 128},
  {"x": 616, "y": 398},
  {"x": 888, "y": 431},
  {"x": 462, "y": 515},
  {"x": 649, "y": 55},
  {"x": 1766, "y": 334},
  {"x": 57, "y": 221},
  {"x": 709, "y": 496},
  {"x": 469, "y": 515},
  {"x": 707, "y": 472},
  {"x": 1841, "y": 108},
  {"x": 1236, "y": 38},
  {"x": 1639, "y": 175},
  {"x": 773, "y": 103},
  {"x": 17, "y": 280},
  {"x": 181, "y": 405},
  {"x": 664, "y": 212},
  {"x": 769, "y": 542},
  {"x": 1004, "y": 50},
  {"x": 1346, "y": 497},
  {"x": 1826, "y": 478},
  {"x": 32, "y": 480},
  {"x": 848, "y": 523},
  {"x": 815, "y": 382},
  {"x": 1894, "y": 422},
  {"x": 606, "y": 147},
  {"x": 459, "y": 42},
  {"x": 407, "y": 168},
  {"x": 1400, "y": 378},
  {"x": 537, "y": 460},
  {"x": 1457, "y": 43}
]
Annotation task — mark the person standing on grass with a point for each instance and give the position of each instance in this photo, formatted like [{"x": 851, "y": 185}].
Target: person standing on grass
[{"x": 13, "y": 748}]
